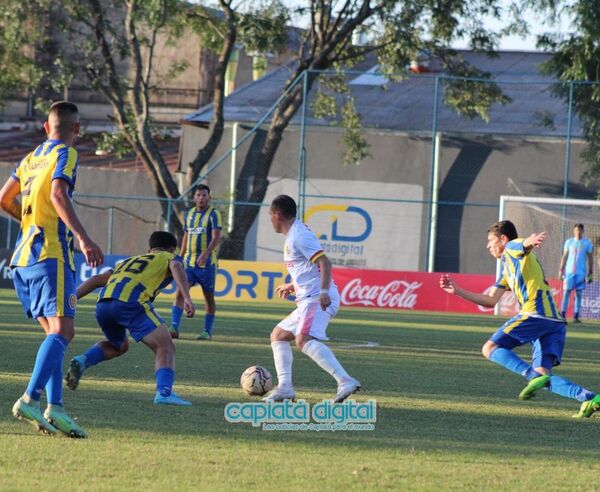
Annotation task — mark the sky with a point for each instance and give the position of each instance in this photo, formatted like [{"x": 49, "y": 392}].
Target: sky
[{"x": 507, "y": 43}]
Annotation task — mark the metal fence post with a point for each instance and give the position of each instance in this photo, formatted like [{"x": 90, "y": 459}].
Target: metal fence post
[
  {"x": 567, "y": 158},
  {"x": 9, "y": 233},
  {"x": 302, "y": 162},
  {"x": 430, "y": 250},
  {"x": 169, "y": 213},
  {"x": 110, "y": 230}
]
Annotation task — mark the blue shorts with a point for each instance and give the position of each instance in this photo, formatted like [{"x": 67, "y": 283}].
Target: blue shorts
[
  {"x": 205, "y": 277},
  {"x": 46, "y": 289},
  {"x": 115, "y": 317},
  {"x": 576, "y": 282},
  {"x": 547, "y": 337}
]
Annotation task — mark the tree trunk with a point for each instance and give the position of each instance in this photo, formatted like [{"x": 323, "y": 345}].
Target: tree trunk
[{"x": 261, "y": 161}]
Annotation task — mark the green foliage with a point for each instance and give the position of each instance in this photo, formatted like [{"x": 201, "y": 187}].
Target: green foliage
[
  {"x": 472, "y": 96},
  {"x": 576, "y": 57},
  {"x": 22, "y": 33},
  {"x": 334, "y": 100},
  {"x": 355, "y": 145},
  {"x": 264, "y": 28}
]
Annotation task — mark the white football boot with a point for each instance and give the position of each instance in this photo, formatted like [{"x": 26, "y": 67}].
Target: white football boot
[
  {"x": 346, "y": 389},
  {"x": 280, "y": 394}
]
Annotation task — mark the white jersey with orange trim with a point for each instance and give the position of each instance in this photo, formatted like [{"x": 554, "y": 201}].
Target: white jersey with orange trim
[{"x": 302, "y": 249}]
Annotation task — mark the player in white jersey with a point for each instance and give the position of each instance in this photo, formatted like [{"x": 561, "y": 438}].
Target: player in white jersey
[{"x": 317, "y": 300}]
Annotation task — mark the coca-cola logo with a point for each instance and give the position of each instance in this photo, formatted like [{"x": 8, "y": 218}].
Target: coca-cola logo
[{"x": 398, "y": 294}]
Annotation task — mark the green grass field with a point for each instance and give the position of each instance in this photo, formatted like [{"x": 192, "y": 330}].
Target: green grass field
[{"x": 447, "y": 419}]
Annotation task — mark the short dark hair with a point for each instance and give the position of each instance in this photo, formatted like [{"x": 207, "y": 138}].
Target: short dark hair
[
  {"x": 505, "y": 227},
  {"x": 286, "y": 205},
  {"x": 579, "y": 226},
  {"x": 162, "y": 240},
  {"x": 63, "y": 109},
  {"x": 201, "y": 187}
]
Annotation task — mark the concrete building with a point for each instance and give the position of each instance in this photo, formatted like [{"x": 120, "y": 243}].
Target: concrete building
[{"x": 518, "y": 151}]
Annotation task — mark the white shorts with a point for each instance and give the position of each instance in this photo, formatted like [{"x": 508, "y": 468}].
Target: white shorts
[{"x": 310, "y": 319}]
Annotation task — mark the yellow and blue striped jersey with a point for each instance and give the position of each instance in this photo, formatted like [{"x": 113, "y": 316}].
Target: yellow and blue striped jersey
[
  {"x": 43, "y": 234},
  {"x": 199, "y": 226},
  {"x": 139, "y": 278},
  {"x": 522, "y": 273}
]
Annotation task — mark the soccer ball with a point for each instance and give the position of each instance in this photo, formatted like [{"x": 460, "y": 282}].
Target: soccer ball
[{"x": 256, "y": 380}]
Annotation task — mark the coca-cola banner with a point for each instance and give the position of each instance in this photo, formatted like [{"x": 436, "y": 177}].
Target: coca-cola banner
[{"x": 407, "y": 290}]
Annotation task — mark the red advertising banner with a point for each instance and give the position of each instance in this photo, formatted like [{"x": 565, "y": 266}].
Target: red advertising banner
[
  {"x": 406, "y": 290},
  {"x": 420, "y": 291}
]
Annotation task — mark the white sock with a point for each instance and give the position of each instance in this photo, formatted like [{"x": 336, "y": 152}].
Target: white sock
[
  {"x": 324, "y": 357},
  {"x": 283, "y": 357}
]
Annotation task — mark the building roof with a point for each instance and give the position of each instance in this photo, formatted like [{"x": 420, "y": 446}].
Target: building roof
[
  {"x": 408, "y": 105},
  {"x": 14, "y": 145}
]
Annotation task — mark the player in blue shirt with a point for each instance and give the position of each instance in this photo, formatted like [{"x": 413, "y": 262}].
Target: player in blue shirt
[
  {"x": 538, "y": 321},
  {"x": 125, "y": 304},
  {"x": 576, "y": 267}
]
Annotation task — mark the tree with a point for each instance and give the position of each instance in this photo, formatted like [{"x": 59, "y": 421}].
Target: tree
[
  {"x": 21, "y": 39},
  {"x": 576, "y": 57},
  {"x": 112, "y": 45},
  {"x": 400, "y": 29}
]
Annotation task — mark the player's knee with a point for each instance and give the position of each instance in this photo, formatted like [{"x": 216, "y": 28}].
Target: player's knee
[
  {"x": 487, "y": 349},
  {"x": 124, "y": 347},
  {"x": 302, "y": 340},
  {"x": 280, "y": 335}
]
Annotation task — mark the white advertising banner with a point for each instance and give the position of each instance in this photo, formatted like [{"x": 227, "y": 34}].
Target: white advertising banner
[{"x": 366, "y": 232}]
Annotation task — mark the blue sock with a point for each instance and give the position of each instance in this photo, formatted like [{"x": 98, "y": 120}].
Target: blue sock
[
  {"x": 566, "y": 388},
  {"x": 165, "y": 376},
  {"x": 94, "y": 355},
  {"x": 565, "y": 301},
  {"x": 512, "y": 362},
  {"x": 209, "y": 319},
  {"x": 54, "y": 393},
  {"x": 50, "y": 354},
  {"x": 176, "y": 313},
  {"x": 578, "y": 296}
]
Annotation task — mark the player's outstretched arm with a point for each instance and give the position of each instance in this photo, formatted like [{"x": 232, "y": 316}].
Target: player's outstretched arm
[
  {"x": 8, "y": 198},
  {"x": 448, "y": 284},
  {"x": 93, "y": 283},
  {"x": 534, "y": 241},
  {"x": 180, "y": 277},
  {"x": 64, "y": 208}
]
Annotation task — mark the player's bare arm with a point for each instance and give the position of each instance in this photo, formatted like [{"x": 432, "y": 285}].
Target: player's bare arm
[
  {"x": 325, "y": 269},
  {"x": 8, "y": 198},
  {"x": 180, "y": 277},
  {"x": 486, "y": 300},
  {"x": 183, "y": 245},
  {"x": 59, "y": 196},
  {"x": 534, "y": 241},
  {"x": 563, "y": 263},
  {"x": 93, "y": 283},
  {"x": 285, "y": 290},
  {"x": 590, "y": 262},
  {"x": 216, "y": 237}
]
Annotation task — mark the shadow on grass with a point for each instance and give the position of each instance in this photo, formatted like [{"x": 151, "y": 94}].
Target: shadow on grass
[{"x": 120, "y": 411}]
